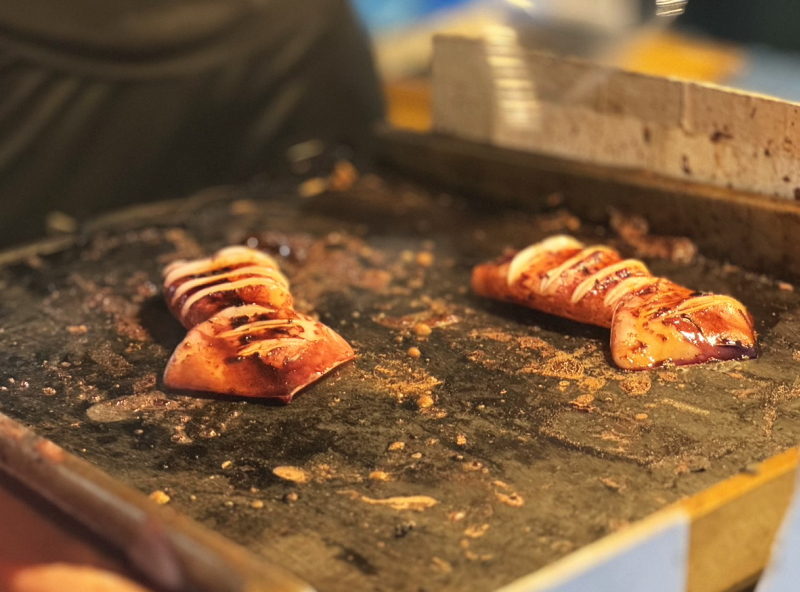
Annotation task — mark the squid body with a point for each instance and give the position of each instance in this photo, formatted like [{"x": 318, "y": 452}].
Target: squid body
[
  {"x": 245, "y": 338},
  {"x": 653, "y": 321}
]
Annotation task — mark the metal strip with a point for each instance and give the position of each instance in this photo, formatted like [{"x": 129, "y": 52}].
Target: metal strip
[{"x": 171, "y": 550}]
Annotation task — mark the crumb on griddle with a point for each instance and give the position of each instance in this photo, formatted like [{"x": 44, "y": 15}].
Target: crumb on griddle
[
  {"x": 293, "y": 474},
  {"x": 636, "y": 385},
  {"x": 634, "y": 232},
  {"x": 513, "y": 499},
  {"x": 425, "y": 401},
  {"x": 583, "y": 403},
  {"x": 416, "y": 503},
  {"x": 403, "y": 381},
  {"x": 160, "y": 497}
]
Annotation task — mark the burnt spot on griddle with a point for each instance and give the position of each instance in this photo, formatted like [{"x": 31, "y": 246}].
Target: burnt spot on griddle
[{"x": 358, "y": 560}]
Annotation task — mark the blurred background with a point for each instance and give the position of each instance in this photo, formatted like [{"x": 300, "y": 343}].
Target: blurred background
[
  {"x": 107, "y": 105},
  {"x": 748, "y": 45}
]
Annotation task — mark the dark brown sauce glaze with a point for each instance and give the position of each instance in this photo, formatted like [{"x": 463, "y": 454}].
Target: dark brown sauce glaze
[
  {"x": 654, "y": 322},
  {"x": 245, "y": 339}
]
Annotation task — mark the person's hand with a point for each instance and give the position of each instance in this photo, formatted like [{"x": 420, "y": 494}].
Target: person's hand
[{"x": 62, "y": 577}]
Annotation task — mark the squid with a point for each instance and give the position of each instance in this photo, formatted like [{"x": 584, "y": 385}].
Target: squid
[
  {"x": 244, "y": 336},
  {"x": 654, "y": 322}
]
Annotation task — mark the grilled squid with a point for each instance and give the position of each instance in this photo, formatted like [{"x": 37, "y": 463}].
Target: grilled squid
[
  {"x": 244, "y": 338},
  {"x": 653, "y": 321}
]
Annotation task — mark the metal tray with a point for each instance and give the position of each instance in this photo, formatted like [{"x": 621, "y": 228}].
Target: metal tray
[{"x": 509, "y": 442}]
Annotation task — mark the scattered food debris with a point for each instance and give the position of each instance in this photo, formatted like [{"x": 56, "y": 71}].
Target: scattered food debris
[
  {"x": 592, "y": 383},
  {"x": 422, "y": 330},
  {"x": 417, "y": 503},
  {"x": 636, "y": 385},
  {"x": 476, "y": 531},
  {"x": 403, "y": 380},
  {"x": 668, "y": 376},
  {"x": 634, "y": 232},
  {"x": 294, "y": 474},
  {"x": 583, "y": 403},
  {"x": 563, "y": 366},
  {"x": 403, "y": 528},
  {"x": 160, "y": 497},
  {"x": 611, "y": 483},
  {"x": 425, "y": 401},
  {"x": 441, "y": 565},
  {"x": 514, "y": 500}
]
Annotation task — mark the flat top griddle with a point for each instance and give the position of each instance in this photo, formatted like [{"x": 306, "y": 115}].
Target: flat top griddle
[{"x": 508, "y": 443}]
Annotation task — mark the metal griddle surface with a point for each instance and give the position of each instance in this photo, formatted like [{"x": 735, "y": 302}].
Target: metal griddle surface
[{"x": 515, "y": 422}]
